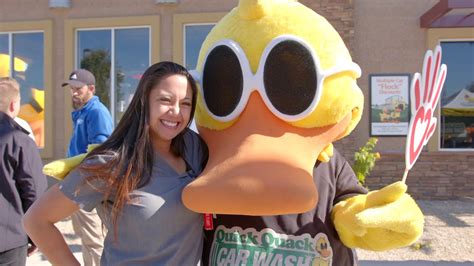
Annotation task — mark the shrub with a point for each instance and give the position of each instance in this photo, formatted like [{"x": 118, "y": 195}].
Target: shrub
[{"x": 364, "y": 159}]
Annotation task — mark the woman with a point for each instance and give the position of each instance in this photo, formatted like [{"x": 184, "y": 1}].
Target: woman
[{"x": 135, "y": 180}]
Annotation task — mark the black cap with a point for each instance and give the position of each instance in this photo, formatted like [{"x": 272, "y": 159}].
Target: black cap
[{"x": 80, "y": 78}]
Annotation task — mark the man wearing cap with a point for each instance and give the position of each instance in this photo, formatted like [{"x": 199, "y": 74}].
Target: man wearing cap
[{"x": 92, "y": 124}]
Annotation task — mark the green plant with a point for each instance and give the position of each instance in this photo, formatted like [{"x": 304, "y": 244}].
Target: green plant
[
  {"x": 364, "y": 159},
  {"x": 423, "y": 246}
]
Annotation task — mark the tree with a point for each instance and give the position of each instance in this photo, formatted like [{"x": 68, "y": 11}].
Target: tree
[
  {"x": 470, "y": 87},
  {"x": 98, "y": 62}
]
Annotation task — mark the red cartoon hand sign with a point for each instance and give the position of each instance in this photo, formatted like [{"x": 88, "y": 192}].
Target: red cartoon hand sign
[{"x": 425, "y": 92}]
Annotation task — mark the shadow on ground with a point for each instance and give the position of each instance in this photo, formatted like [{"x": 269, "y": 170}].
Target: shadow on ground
[{"x": 447, "y": 212}]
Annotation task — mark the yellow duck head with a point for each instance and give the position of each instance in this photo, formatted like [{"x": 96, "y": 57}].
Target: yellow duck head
[
  {"x": 322, "y": 246},
  {"x": 277, "y": 87},
  {"x": 20, "y": 66}
]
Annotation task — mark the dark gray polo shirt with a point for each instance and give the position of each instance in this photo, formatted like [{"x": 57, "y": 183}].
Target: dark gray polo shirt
[{"x": 155, "y": 228}]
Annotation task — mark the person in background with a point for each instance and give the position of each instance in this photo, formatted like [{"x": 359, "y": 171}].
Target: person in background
[
  {"x": 135, "y": 180},
  {"x": 21, "y": 177},
  {"x": 92, "y": 124}
]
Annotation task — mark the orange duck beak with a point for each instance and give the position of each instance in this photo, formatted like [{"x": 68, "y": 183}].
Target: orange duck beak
[{"x": 260, "y": 165}]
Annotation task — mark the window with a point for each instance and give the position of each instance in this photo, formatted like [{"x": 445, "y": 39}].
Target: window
[
  {"x": 124, "y": 47},
  {"x": 194, "y": 36},
  {"x": 457, "y": 99},
  {"x": 121, "y": 53},
  {"x": 451, "y": 133},
  {"x": 22, "y": 58},
  {"x": 25, "y": 54},
  {"x": 189, "y": 32}
]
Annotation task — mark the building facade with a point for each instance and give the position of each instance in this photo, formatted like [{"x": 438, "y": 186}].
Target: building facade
[{"x": 41, "y": 42}]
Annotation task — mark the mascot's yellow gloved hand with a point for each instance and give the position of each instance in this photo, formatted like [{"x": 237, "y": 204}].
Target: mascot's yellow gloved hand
[
  {"x": 383, "y": 219},
  {"x": 60, "y": 168}
]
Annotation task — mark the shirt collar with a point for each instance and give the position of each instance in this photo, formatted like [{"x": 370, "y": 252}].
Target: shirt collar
[{"x": 7, "y": 119}]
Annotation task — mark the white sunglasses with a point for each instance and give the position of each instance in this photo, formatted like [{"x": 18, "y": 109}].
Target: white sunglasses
[{"x": 289, "y": 78}]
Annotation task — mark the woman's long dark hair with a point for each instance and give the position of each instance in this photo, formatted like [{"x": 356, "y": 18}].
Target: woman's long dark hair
[{"x": 130, "y": 146}]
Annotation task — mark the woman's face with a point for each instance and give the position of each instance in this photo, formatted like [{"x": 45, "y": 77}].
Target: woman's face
[{"x": 170, "y": 105}]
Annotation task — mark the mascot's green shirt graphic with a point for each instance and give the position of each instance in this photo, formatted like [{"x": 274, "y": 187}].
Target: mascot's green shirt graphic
[{"x": 250, "y": 247}]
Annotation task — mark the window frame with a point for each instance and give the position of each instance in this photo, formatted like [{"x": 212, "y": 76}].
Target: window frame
[
  {"x": 434, "y": 37},
  {"x": 112, "y": 56},
  {"x": 45, "y": 27},
  {"x": 180, "y": 21},
  {"x": 184, "y": 37},
  {"x": 71, "y": 28}
]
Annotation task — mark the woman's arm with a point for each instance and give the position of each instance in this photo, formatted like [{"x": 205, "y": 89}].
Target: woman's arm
[{"x": 39, "y": 221}]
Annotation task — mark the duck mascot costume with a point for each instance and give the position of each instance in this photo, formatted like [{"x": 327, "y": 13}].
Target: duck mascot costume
[{"x": 277, "y": 86}]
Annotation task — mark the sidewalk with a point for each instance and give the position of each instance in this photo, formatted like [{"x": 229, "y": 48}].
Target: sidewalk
[{"x": 71, "y": 239}]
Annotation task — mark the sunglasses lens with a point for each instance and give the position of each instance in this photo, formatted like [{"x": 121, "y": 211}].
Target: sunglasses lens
[
  {"x": 290, "y": 77},
  {"x": 222, "y": 81}
]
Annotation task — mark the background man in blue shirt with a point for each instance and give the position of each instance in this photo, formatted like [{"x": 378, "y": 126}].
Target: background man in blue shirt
[{"x": 92, "y": 124}]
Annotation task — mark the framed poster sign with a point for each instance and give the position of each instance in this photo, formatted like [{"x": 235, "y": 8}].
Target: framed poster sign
[{"x": 389, "y": 104}]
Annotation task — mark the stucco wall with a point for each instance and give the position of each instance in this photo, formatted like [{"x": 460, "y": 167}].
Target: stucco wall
[{"x": 388, "y": 39}]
